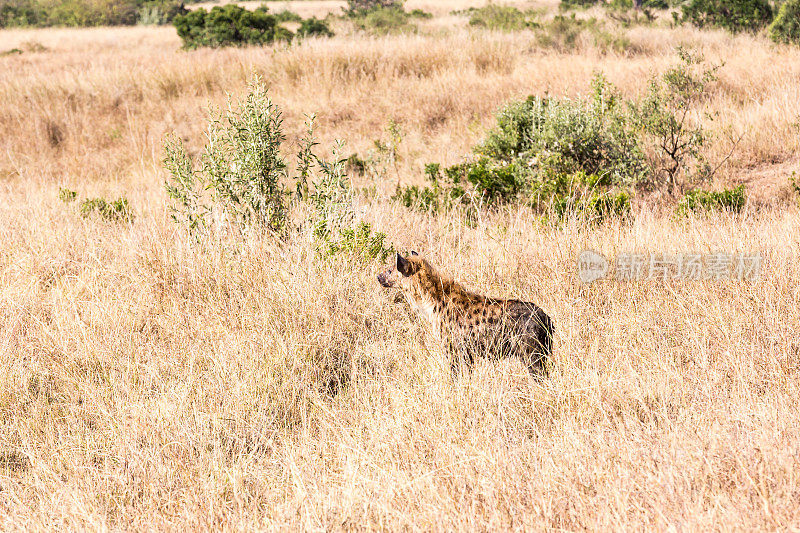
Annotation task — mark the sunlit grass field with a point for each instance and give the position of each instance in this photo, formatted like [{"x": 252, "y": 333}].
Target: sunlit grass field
[{"x": 151, "y": 382}]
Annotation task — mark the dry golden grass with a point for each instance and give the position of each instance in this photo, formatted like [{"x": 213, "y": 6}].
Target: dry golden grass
[{"x": 147, "y": 384}]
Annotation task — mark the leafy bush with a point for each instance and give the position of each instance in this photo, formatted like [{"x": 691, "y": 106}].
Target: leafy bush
[
  {"x": 573, "y": 155},
  {"x": 361, "y": 7},
  {"x": 384, "y": 20},
  {"x": 67, "y": 195},
  {"x": 580, "y": 155},
  {"x": 87, "y": 12},
  {"x": 786, "y": 26},
  {"x": 314, "y": 26},
  {"x": 20, "y": 13},
  {"x": 288, "y": 16},
  {"x": 330, "y": 198},
  {"x": 732, "y": 15},
  {"x": 238, "y": 182},
  {"x": 229, "y": 25},
  {"x": 663, "y": 119},
  {"x": 241, "y": 167},
  {"x": 91, "y": 13},
  {"x": 420, "y": 14},
  {"x": 497, "y": 17},
  {"x": 795, "y": 185},
  {"x": 700, "y": 201},
  {"x": 117, "y": 211},
  {"x": 567, "y": 136}
]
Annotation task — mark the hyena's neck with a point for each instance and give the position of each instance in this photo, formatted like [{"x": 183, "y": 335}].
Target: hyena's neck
[{"x": 441, "y": 292}]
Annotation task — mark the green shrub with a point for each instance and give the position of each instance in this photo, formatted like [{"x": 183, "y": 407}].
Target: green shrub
[
  {"x": 117, "y": 211},
  {"x": 87, "y": 12},
  {"x": 786, "y": 26},
  {"x": 574, "y": 155},
  {"x": 314, "y": 26},
  {"x": 240, "y": 172},
  {"x": 420, "y": 14},
  {"x": 567, "y": 136},
  {"x": 91, "y": 13},
  {"x": 700, "y": 201},
  {"x": 330, "y": 197},
  {"x": 288, "y": 16},
  {"x": 20, "y": 13},
  {"x": 498, "y": 17},
  {"x": 732, "y": 15},
  {"x": 663, "y": 118},
  {"x": 237, "y": 183},
  {"x": 229, "y": 25},
  {"x": 357, "y": 8},
  {"x": 67, "y": 195},
  {"x": 384, "y": 21},
  {"x": 795, "y": 185}
]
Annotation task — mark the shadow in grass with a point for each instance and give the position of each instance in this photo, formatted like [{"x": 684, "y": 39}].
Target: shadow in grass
[{"x": 13, "y": 461}]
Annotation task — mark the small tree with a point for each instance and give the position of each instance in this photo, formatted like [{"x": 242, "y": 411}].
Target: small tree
[{"x": 664, "y": 117}]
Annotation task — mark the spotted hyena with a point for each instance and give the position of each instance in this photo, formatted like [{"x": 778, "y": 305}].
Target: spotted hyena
[{"x": 471, "y": 324}]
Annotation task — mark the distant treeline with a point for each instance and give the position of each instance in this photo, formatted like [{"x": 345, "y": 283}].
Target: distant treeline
[{"x": 88, "y": 12}]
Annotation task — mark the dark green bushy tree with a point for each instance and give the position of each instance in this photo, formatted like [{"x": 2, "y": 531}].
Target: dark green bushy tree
[
  {"x": 732, "y": 15},
  {"x": 359, "y": 7},
  {"x": 229, "y": 25},
  {"x": 314, "y": 26},
  {"x": 786, "y": 26},
  {"x": 19, "y": 13}
]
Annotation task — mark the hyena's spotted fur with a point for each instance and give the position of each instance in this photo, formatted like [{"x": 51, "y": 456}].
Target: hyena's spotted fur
[{"x": 472, "y": 324}]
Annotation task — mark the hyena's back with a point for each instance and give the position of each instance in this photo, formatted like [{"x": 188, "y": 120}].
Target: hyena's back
[{"x": 519, "y": 329}]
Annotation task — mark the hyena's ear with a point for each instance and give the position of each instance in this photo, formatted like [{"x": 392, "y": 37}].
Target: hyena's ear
[
  {"x": 414, "y": 253},
  {"x": 403, "y": 265}
]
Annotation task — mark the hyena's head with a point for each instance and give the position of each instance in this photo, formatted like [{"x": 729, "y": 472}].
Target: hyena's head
[
  {"x": 416, "y": 280},
  {"x": 400, "y": 274}
]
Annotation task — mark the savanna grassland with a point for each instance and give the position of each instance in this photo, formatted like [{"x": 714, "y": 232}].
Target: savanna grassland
[{"x": 148, "y": 381}]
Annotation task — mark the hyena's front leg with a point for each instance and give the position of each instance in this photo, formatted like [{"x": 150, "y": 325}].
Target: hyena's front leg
[{"x": 462, "y": 355}]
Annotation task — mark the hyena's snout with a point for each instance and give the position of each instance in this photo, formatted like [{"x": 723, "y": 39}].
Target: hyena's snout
[{"x": 385, "y": 279}]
